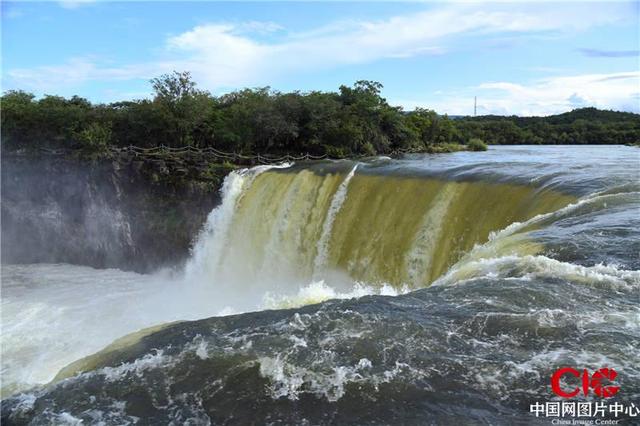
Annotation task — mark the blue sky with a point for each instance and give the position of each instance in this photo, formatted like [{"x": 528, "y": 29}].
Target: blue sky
[{"x": 526, "y": 58}]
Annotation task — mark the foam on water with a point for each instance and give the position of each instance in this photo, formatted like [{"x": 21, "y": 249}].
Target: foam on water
[
  {"x": 207, "y": 252},
  {"x": 55, "y": 314},
  {"x": 536, "y": 267},
  {"x": 290, "y": 381},
  {"x": 318, "y": 291},
  {"x": 596, "y": 201},
  {"x": 301, "y": 237}
]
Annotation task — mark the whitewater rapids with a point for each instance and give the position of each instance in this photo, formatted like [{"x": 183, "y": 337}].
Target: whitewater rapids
[{"x": 501, "y": 266}]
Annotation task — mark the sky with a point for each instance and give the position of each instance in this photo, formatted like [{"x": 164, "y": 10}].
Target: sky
[{"x": 524, "y": 58}]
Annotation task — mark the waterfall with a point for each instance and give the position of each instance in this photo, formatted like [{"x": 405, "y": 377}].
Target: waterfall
[
  {"x": 280, "y": 229},
  {"x": 206, "y": 254},
  {"x": 334, "y": 208}
]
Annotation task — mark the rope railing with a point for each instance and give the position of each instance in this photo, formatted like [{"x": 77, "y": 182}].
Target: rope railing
[
  {"x": 210, "y": 151},
  {"x": 213, "y": 152}
]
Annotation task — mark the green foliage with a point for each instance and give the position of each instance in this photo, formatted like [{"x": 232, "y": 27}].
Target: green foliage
[
  {"x": 174, "y": 88},
  {"x": 96, "y": 137},
  {"x": 355, "y": 120},
  {"x": 581, "y": 126},
  {"x": 49, "y": 122},
  {"x": 445, "y": 147},
  {"x": 432, "y": 128},
  {"x": 476, "y": 144}
]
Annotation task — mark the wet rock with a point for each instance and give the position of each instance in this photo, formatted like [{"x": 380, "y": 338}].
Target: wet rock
[{"x": 129, "y": 212}]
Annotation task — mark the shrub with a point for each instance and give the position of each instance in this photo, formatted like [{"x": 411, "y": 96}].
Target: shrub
[
  {"x": 95, "y": 138},
  {"x": 476, "y": 144}
]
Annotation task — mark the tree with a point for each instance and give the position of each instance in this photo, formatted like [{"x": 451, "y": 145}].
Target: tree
[
  {"x": 183, "y": 105},
  {"x": 354, "y": 120},
  {"x": 173, "y": 88},
  {"x": 19, "y": 124}
]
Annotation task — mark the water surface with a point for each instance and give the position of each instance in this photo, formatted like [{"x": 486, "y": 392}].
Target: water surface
[{"x": 466, "y": 280}]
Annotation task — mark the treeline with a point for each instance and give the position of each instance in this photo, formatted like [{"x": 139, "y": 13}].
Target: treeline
[
  {"x": 578, "y": 127},
  {"x": 355, "y": 120}
]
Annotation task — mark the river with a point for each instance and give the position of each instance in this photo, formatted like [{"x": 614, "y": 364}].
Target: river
[{"x": 427, "y": 289}]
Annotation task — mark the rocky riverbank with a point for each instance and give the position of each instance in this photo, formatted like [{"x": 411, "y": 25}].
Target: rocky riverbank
[{"x": 123, "y": 211}]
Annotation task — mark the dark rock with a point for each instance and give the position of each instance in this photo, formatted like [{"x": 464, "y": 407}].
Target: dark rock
[{"x": 127, "y": 212}]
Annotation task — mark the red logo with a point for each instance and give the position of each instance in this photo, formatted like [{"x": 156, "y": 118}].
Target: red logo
[{"x": 589, "y": 381}]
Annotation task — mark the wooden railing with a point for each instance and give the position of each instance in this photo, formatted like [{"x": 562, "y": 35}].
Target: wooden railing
[{"x": 210, "y": 152}]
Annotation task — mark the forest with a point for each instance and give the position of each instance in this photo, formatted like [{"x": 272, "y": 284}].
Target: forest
[{"x": 355, "y": 120}]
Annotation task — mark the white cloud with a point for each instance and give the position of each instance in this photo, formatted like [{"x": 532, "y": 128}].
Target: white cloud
[
  {"x": 260, "y": 27},
  {"x": 77, "y": 71},
  {"x": 618, "y": 91},
  {"x": 558, "y": 94},
  {"x": 226, "y": 55},
  {"x": 74, "y": 4}
]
